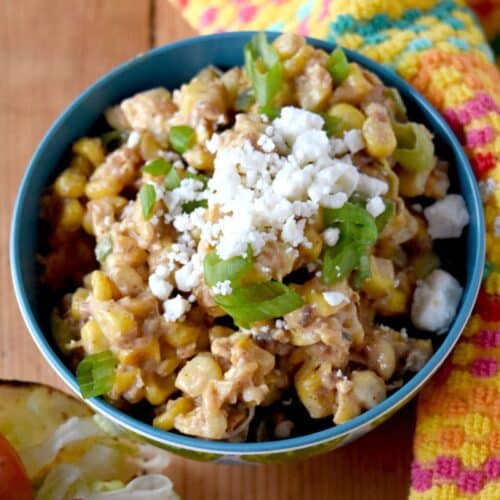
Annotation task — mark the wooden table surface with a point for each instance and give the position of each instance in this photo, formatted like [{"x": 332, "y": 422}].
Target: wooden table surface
[{"x": 50, "y": 50}]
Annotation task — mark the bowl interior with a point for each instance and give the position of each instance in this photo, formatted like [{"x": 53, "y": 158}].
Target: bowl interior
[{"x": 170, "y": 66}]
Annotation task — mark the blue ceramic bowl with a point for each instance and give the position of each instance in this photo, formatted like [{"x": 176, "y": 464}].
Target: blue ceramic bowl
[{"x": 171, "y": 66}]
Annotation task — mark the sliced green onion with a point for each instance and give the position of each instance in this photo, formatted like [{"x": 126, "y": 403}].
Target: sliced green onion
[
  {"x": 340, "y": 260},
  {"x": 363, "y": 271},
  {"x": 96, "y": 374},
  {"x": 191, "y": 206},
  {"x": 216, "y": 270},
  {"x": 415, "y": 149},
  {"x": 271, "y": 112},
  {"x": 172, "y": 180},
  {"x": 337, "y": 66},
  {"x": 264, "y": 69},
  {"x": 354, "y": 223},
  {"x": 147, "y": 195},
  {"x": 157, "y": 167},
  {"x": 399, "y": 106},
  {"x": 199, "y": 177},
  {"x": 382, "y": 220},
  {"x": 333, "y": 126},
  {"x": 103, "y": 248},
  {"x": 244, "y": 100},
  {"x": 259, "y": 301},
  {"x": 181, "y": 137}
]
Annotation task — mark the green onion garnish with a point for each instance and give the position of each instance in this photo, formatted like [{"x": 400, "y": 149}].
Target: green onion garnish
[
  {"x": 181, "y": 137},
  {"x": 358, "y": 231},
  {"x": 264, "y": 69},
  {"x": 340, "y": 260},
  {"x": 362, "y": 272},
  {"x": 96, "y": 374},
  {"x": 259, "y": 301},
  {"x": 337, "y": 66},
  {"x": 191, "y": 206},
  {"x": 216, "y": 270},
  {"x": 172, "y": 179},
  {"x": 333, "y": 126},
  {"x": 103, "y": 248},
  {"x": 111, "y": 140},
  {"x": 382, "y": 220},
  {"x": 157, "y": 167},
  {"x": 147, "y": 195},
  {"x": 415, "y": 149},
  {"x": 354, "y": 222}
]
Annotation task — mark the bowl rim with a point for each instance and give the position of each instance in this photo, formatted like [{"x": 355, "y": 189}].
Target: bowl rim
[{"x": 348, "y": 429}]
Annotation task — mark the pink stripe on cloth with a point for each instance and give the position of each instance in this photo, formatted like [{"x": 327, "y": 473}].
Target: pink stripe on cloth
[
  {"x": 484, "y": 367},
  {"x": 492, "y": 468},
  {"x": 447, "y": 467},
  {"x": 478, "y": 106},
  {"x": 487, "y": 338},
  {"x": 421, "y": 478},
  {"x": 471, "y": 481},
  {"x": 479, "y": 136}
]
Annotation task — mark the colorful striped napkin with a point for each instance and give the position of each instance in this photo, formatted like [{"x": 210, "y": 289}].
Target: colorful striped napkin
[{"x": 440, "y": 48}]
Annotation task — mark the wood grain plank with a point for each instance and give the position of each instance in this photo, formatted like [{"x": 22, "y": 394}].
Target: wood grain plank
[{"x": 49, "y": 52}]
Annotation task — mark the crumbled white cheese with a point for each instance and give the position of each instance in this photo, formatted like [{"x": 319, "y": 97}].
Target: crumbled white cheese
[
  {"x": 134, "y": 139},
  {"x": 310, "y": 146},
  {"x": 222, "y": 288},
  {"x": 266, "y": 144},
  {"x": 334, "y": 298},
  {"x": 354, "y": 140},
  {"x": 294, "y": 121},
  {"x": 160, "y": 288},
  {"x": 496, "y": 227},
  {"x": 213, "y": 143},
  {"x": 370, "y": 186},
  {"x": 162, "y": 271},
  {"x": 447, "y": 217},
  {"x": 331, "y": 236},
  {"x": 375, "y": 206},
  {"x": 188, "y": 276},
  {"x": 174, "y": 309},
  {"x": 435, "y": 301},
  {"x": 293, "y": 232}
]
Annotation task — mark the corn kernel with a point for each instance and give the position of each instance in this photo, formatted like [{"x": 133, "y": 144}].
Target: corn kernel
[
  {"x": 87, "y": 223},
  {"x": 381, "y": 279},
  {"x": 393, "y": 304},
  {"x": 180, "y": 406},
  {"x": 101, "y": 286},
  {"x": 158, "y": 389},
  {"x": 312, "y": 252},
  {"x": 168, "y": 365},
  {"x": 217, "y": 332},
  {"x": 91, "y": 149},
  {"x": 354, "y": 88},
  {"x": 378, "y": 133},
  {"x": 288, "y": 44},
  {"x": 81, "y": 165},
  {"x": 149, "y": 147},
  {"x": 352, "y": 117},
  {"x": 71, "y": 214},
  {"x": 181, "y": 334},
  {"x": 200, "y": 158},
  {"x": 317, "y": 399},
  {"x": 114, "y": 320},
  {"x": 93, "y": 339},
  {"x": 77, "y": 300},
  {"x": 139, "y": 354},
  {"x": 70, "y": 184},
  {"x": 197, "y": 373},
  {"x": 125, "y": 380},
  {"x": 100, "y": 188},
  {"x": 321, "y": 307}
]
